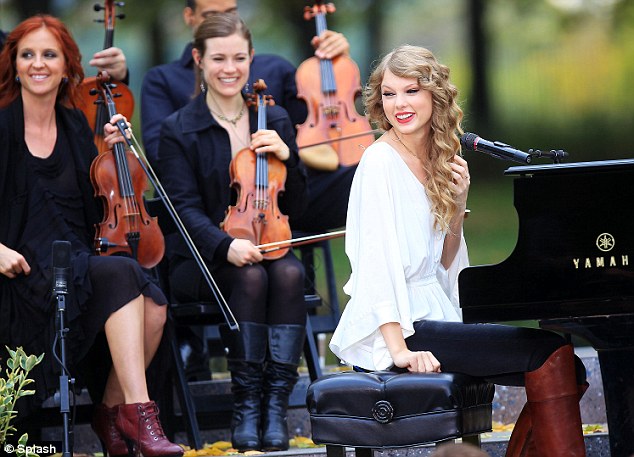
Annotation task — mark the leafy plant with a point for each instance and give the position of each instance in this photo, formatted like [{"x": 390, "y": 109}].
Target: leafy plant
[{"x": 13, "y": 387}]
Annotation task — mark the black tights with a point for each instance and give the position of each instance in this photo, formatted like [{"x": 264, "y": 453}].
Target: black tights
[
  {"x": 499, "y": 353},
  {"x": 270, "y": 292}
]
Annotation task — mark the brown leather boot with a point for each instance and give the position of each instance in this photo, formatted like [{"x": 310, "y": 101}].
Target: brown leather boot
[
  {"x": 139, "y": 424},
  {"x": 103, "y": 425},
  {"x": 553, "y": 400},
  {"x": 521, "y": 443},
  {"x": 520, "y": 437}
]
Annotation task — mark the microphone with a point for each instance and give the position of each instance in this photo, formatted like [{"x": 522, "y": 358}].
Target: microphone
[
  {"x": 497, "y": 149},
  {"x": 61, "y": 267}
]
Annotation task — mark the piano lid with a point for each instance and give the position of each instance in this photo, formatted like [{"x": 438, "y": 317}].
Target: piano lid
[
  {"x": 609, "y": 166},
  {"x": 575, "y": 251}
]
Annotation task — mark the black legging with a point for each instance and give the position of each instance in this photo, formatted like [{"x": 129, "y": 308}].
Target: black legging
[
  {"x": 270, "y": 292},
  {"x": 499, "y": 353}
]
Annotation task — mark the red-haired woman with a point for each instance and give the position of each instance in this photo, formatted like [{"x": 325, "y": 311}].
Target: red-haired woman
[{"x": 46, "y": 149}]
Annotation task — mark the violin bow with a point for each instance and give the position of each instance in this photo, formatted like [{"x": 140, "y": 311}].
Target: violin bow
[
  {"x": 269, "y": 247},
  {"x": 342, "y": 138},
  {"x": 149, "y": 171}
]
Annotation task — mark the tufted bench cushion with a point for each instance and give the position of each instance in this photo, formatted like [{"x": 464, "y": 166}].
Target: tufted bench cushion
[{"x": 385, "y": 409}]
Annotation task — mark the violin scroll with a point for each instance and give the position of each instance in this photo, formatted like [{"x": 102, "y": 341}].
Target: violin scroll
[
  {"x": 254, "y": 98},
  {"x": 318, "y": 8}
]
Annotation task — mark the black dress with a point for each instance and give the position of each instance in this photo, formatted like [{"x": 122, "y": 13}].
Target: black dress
[{"x": 100, "y": 285}]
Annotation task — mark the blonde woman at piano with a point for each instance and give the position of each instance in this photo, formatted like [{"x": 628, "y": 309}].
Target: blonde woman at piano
[{"x": 405, "y": 243}]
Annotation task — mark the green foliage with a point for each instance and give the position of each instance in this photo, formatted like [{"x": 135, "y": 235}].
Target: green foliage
[{"x": 12, "y": 387}]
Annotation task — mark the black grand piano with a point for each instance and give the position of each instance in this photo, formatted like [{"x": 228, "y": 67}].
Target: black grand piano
[{"x": 573, "y": 270}]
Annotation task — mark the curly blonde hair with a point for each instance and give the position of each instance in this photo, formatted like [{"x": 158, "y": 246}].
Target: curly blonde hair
[{"x": 444, "y": 142}]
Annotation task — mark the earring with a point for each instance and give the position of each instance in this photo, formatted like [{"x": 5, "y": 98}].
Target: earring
[
  {"x": 246, "y": 88},
  {"x": 203, "y": 89},
  {"x": 65, "y": 80},
  {"x": 17, "y": 79}
]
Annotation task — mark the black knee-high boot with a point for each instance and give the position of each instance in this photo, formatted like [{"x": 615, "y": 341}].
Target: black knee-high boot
[
  {"x": 285, "y": 348},
  {"x": 246, "y": 351}
]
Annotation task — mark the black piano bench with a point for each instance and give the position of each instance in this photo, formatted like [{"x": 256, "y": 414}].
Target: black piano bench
[{"x": 383, "y": 409}]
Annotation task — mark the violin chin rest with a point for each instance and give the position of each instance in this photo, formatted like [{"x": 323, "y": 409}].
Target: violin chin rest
[{"x": 321, "y": 157}]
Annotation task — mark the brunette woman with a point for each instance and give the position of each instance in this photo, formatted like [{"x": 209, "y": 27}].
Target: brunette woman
[{"x": 266, "y": 296}]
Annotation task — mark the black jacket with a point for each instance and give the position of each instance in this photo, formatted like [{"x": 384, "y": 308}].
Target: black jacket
[
  {"x": 14, "y": 188},
  {"x": 169, "y": 87},
  {"x": 193, "y": 164}
]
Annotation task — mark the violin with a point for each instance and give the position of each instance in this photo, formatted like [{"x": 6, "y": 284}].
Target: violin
[
  {"x": 258, "y": 178},
  {"x": 330, "y": 87},
  {"x": 120, "y": 181},
  {"x": 96, "y": 112}
]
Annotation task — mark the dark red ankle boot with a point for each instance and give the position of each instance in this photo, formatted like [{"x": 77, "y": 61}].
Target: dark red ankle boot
[
  {"x": 103, "y": 425},
  {"x": 139, "y": 424}
]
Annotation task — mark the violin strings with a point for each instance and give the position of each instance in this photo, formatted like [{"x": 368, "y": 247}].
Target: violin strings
[
  {"x": 125, "y": 184},
  {"x": 329, "y": 84},
  {"x": 123, "y": 171},
  {"x": 262, "y": 160}
]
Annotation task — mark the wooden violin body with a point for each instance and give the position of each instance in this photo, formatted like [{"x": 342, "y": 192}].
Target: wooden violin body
[
  {"x": 93, "y": 108},
  {"x": 332, "y": 115},
  {"x": 120, "y": 182},
  {"x": 126, "y": 228},
  {"x": 330, "y": 88},
  {"x": 258, "y": 179},
  {"x": 256, "y": 216}
]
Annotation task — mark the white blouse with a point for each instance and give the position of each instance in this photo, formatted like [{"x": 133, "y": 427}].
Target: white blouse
[{"x": 394, "y": 253}]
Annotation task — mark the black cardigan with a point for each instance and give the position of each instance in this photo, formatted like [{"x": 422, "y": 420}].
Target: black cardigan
[{"x": 13, "y": 186}]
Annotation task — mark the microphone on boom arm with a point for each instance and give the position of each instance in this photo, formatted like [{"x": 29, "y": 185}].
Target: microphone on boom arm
[{"x": 497, "y": 149}]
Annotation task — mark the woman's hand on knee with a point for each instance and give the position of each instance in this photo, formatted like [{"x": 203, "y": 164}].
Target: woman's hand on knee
[{"x": 417, "y": 361}]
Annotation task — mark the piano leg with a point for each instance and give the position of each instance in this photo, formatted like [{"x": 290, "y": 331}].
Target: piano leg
[{"x": 617, "y": 373}]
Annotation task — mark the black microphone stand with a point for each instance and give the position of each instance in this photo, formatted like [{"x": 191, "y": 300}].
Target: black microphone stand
[
  {"x": 556, "y": 155},
  {"x": 64, "y": 380}
]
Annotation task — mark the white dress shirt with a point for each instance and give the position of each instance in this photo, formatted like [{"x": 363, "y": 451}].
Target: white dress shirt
[{"x": 394, "y": 252}]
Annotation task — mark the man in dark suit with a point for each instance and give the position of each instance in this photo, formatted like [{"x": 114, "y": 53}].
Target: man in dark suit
[{"x": 168, "y": 87}]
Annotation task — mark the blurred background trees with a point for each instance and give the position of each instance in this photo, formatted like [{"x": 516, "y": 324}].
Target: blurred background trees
[
  {"x": 533, "y": 73},
  {"x": 546, "y": 74}
]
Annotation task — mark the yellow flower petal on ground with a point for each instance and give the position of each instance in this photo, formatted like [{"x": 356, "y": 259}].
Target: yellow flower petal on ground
[
  {"x": 224, "y": 445},
  {"x": 302, "y": 442}
]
